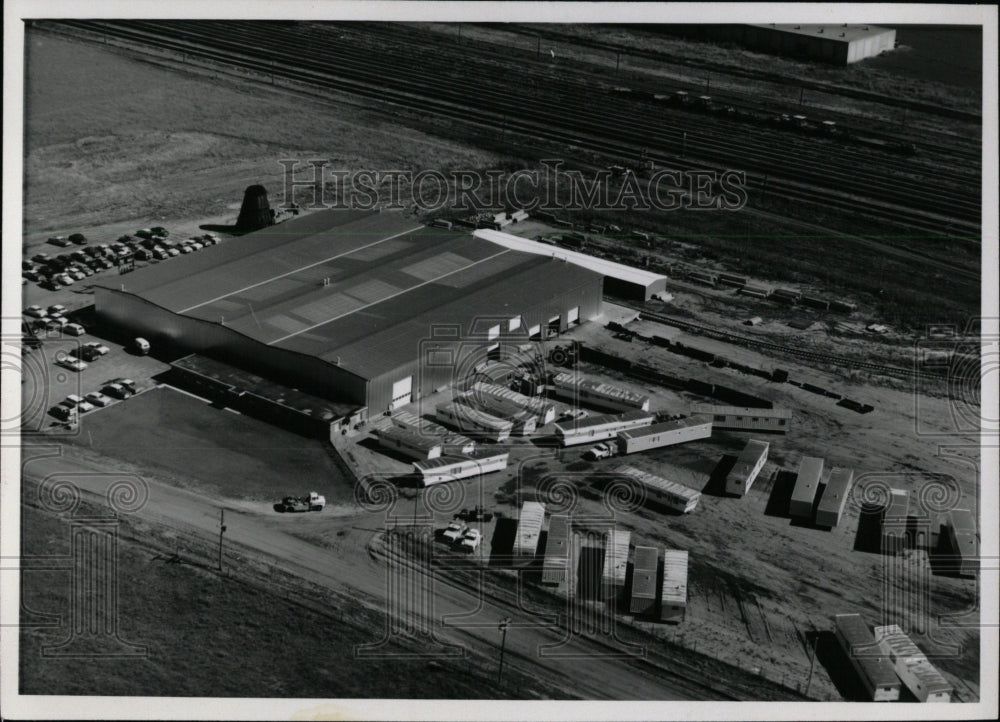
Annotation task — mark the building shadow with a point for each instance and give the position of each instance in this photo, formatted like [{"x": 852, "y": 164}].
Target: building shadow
[
  {"x": 838, "y": 666},
  {"x": 868, "y": 538},
  {"x": 781, "y": 494},
  {"x": 502, "y": 543},
  {"x": 588, "y": 573},
  {"x": 716, "y": 485}
]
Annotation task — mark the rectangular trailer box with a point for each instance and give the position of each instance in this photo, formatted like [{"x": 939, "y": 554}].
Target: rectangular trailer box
[
  {"x": 615, "y": 563},
  {"x": 575, "y": 387},
  {"x": 912, "y": 666},
  {"x": 555, "y": 567},
  {"x": 806, "y": 485},
  {"x": 659, "y": 491},
  {"x": 667, "y": 433},
  {"x": 673, "y": 599},
  {"x": 748, "y": 465},
  {"x": 873, "y": 669},
  {"x": 592, "y": 429},
  {"x": 529, "y": 530},
  {"x": 644, "y": 571},
  {"x": 831, "y": 504}
]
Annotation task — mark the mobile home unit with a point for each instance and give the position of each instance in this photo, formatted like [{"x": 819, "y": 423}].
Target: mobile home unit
[
  {"x": 451, "y": 443},
  {"x": 523, "y": 422},
  {"x": 748, "y": 465},
  {"x": 471, "y": 421},
  {"x": 591, "y": 429},
  {"x": 574, "y": 387},
  {"x": 894, "y": 522},
  {"x": 529, "y": 529},
  {"x": 543, "y": 411},
  {"x": 555, "y": 567},
  {"x": 742, "y": 418},
  {"x": 961, "y": 527},
  {"x": 831, "y": 504},
  {"x": 454, "y": 468},
  {"x": 615, "y": 563},
  {"x": 644, "y": 571},
  {"x": 673, "y": 599},
  {"x": 659, "y": 491},
  {"x": 912, "y": 667},
  {"x": 667, "y": 433},
  {"x": 806, "y": 485},
  {"x": 873, "y": 669},
  {"x": 408, "y": 443}
]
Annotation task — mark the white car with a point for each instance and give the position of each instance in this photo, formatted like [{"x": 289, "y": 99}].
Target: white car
[
  {"x": 185, "y": 248},
  {"x": 75, "y": 402},
  {"x": 74, "y": 329},
  {"x": 35, "y": 311},
  {"x": 98, "y": 399},
  {"x": 77, "y": 275},
  {"x": 99, "y": 347},
  {"x": 65, "y": 279},
  {"x": 601, "y": 451},
  {"x": 471, "y": 541},
  {"x": 57, "y": 309},
  {"x": 173, "y": 252},
  {"x": 73, "y": 364},
  {"x": 454, "y": 531}
]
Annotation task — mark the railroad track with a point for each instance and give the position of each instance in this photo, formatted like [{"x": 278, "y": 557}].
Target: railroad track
[
  {"x": 273, "y": 51},
  {"x": 759, "y": 344}
]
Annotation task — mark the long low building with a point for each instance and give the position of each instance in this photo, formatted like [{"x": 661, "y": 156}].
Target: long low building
[
  {"x": 576, "y": 388},
  {"x": 834, "y": 498},
  {"x": 453, "y": 468},
  {"x": 543, "y": 411},
  {"x": 667, "y": 433},
  {"x": 347, "y": 305},
  {"x": 408, "y": 443},
  {"x": 964, "y": 542},
  {"x": 555, "y": 567},
  {"x": 806, "y": 485},
  {"x": 523, "y": 422},
  {"x": 656, "y": 490},
  {"x": 529, "y": 530},
  {"x": 748, "y": 465},
  {"x": 591, "y": 429},
  {"x": 673, "y": 597},
  {"x": 912, "y": 666},
  {"x": 742, "y": 418},
  {"x": 873, "y": 669},
  {"x": 615, "y": 563},
  {"x": 451, "y": 442},
  {"x": 644, "y": 572},
  {"x": 895, "y": 520},
  {"x": 471, "y": 421}
]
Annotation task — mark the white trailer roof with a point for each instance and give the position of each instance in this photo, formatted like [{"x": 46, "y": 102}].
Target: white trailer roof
[
  {"x": 598, "y": 265},
  {"x": 616, "y": 556},
  {"x": 686, "y": 423},
  {"x": 556, "y": 563},
  {"x": 675, "y": 574},
  {"x": 529, "y": 528},
  {"x": 475, "y": 416},
  {"x": 741, "y": 411},
  {"x": 658, "y": 483},
  {"x": 892, "y": 640},
  {"x": 644, "y": 573},
  {"x": 601, "y": 388}
]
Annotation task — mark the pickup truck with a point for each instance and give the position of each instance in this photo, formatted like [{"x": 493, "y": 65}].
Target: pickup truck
[
  {"x": 313, "y": 502},
  {"x": 601, "y": 451}
]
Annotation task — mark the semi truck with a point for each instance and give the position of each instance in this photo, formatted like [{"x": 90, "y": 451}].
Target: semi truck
[{"x": 313, "y": 502}]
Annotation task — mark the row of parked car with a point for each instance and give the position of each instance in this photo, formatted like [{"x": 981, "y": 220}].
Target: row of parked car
[
  {"x": 461, "y": 535},
  {"x": 147, "y": 244},
  {"x": 114, "y": 390}
]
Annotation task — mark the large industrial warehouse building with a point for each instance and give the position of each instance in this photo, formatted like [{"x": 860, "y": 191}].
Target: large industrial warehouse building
[{"x": 370, "y": 309}]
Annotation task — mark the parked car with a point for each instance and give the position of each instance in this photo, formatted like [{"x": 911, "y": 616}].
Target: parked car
[
  {"x": 116, "y": 390},
  {"x": 77, "y": 402},
  {"x": 60, "y": 241},
  {"x": 173, "y": 252},
  {"x": 55, "y": 323},
  {"x": 35, "y": 311},
  {"x": 144, "y": 233},
  {"x": 57, "y": 309},
  {"x": 86, "y": 353},
  {"x": 159, "y": 231},
  {"x": 471, "y": 540},
  {"x": 184, "y": 248},
  {"x": 76, "y": 274},
  {"x": 74, "y": 329},
  {"x": 65, "y": 279},
  {"x": 78, "y": 238},
  {"x": 143, "y": 255},
  {"x": 99, "y": 347},
  {"x": 454, "y": 531},
  {"x": 92, "y": 251},
  {"x": 128, "y": 384},
  {"x": 40, "y": 257},
  {"x": 601, "y": 451},
  {"x": 30, "y": 275},
  {"x": 98, "y": 399},
  {"x": 160, "y": 255},
  {"x": 141, "y": 346},
  {"x": 61, "y": 412}
]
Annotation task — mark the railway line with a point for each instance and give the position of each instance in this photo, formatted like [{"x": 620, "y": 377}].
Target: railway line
[{"x": 276, "y": 51}]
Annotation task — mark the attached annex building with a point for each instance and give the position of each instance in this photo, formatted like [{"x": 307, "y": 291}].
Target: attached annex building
[{"x": 371, "y": 309}]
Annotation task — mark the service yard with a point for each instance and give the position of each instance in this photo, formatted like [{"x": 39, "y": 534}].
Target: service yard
[{"x": 221, "y": 594}]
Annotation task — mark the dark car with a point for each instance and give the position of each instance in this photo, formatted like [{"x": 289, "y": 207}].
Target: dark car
[
  {"x": 87, "y": 353},
  {"x": 78, "y": 238}
]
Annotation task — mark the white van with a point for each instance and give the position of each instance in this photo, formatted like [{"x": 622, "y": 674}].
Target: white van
[{"x": 142, "y": 346}]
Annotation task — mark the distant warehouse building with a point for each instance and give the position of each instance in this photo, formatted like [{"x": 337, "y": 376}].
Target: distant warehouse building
[
  {"x": 340, "y": 304},
  {"x": 748, "y": 465},
  {"x": 742, "y": 418},
  {"x": 667, "y": 433}
]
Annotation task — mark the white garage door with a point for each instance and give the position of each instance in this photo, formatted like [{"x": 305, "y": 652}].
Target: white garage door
[
  {"x": 401, "y": 391},
  {"x": 573, "y": 316},
  {"x": 535, "y": 331}
]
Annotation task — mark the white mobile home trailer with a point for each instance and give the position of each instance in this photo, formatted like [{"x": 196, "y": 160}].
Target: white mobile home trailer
[
  {"x": 644, "y": 571},
  {"x": 529, "y": 530},
  {"x": 659, "y": 491},
  {"x": 742, "y": 418},
  {"x": 873, "y": 669},
  {"x": 806, "y": 485},
  {"x": 591, "y": 429},
  {"x": 615, "y": 563},
  {"x": 673, "y": 599},
  {"x": 543, "y": 411},
  {"x": 748, "y": 465},
  {"x": 408, "y": 443},
  {"x": 895, "y": 519},
  {"x": 453, "y": 468},
  {"x": 555, "y": 567},
  {"x": 834, "y": 498},
  {"x": 667, "y": 433},
  {"x": 451, "y": 443},
  {"x": 523, "y": 422},
  {"x": 469, "y": 420},
  {"x": 912, "y": 667},
  {"x": 574, "y": 387}
]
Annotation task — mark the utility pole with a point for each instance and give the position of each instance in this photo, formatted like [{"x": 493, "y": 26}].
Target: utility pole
[
  {"x": 222, "y": 530},
  {"x": 502, "y": 626},
  {"x": 801, "y": 93},
  {"x": 812, "y": 663}
]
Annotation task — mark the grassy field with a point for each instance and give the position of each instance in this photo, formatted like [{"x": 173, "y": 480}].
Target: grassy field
[
  {"x": 238, "y": 635},
  {"x": 211, "y": 449}
]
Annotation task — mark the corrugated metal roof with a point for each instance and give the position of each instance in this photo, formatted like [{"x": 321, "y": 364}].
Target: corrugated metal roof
[
  {"x": 686, "y": 423},
  {"x": 644, "y": 572},
  {"x": 529, "y": 528},
  {"x": 892, "y": 640},
  {"x": 658, "y": 483},
  {"x": 675, "y": 574},
  {"x": 372, "y": 314},
  {"x": 588, "y": 422},
  {"x": 616, "y": 556},
  {"x": 533, "y": 404},
  {"x": 573, "y": 381},
  {"x": 556, "y": 564},
  {"x": 445, "y": 435},
  {"x": 480, "y": 455},
  {"x": 742, "y": 411},
  {"x": 473, "y": 415},
  {"x": 592, "y": 263},
  {"x": 862, "y": 646},
  {"x": 407, "y": 438}
]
